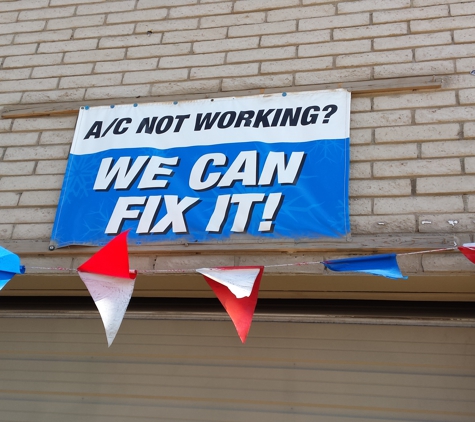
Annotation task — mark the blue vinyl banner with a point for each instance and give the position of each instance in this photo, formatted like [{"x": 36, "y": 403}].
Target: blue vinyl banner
[{"x": 262, "y": 167}]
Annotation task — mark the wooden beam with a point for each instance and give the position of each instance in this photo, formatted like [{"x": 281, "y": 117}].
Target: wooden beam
[{"x": 373, "y": 87}]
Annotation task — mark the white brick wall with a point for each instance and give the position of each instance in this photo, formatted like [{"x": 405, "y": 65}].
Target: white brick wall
[{"x": 413, "y": 153}]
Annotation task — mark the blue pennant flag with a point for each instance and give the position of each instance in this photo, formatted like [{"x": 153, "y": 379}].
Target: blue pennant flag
[
  {"x": 385, "y": 265},
  {"x": 9, "y": 266}
]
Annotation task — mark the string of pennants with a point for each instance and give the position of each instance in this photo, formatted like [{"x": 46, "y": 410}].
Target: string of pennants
[{"x": 110, "y": 281}]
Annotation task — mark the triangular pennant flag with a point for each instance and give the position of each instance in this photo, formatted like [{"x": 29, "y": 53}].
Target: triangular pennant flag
[
  {"x": 241, "y": 310},
  {"x": 9, "y": 266},
  {"x": 110, "y": 282},
  {"x": 468, "y": 249},
  {"x": 239, "y": 280},
  {"x": 384, "y": 265}
]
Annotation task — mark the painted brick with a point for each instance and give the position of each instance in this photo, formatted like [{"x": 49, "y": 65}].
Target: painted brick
[
  {"x": 200, "y": 10},
  {"x": 106, "y": 7},
  {"x": 410, "y": 69},
  {"x": 445, "y": 52},
  {"x": 415, "y": 100},
  {"x": 76, "y": 22},
  {"x": 297, "y": 64},
  {"x": 9, "y": 199},
  {"x": 17, "y": 168},
  {"x": 360, "y": 206},
  {"x": 36, "y": 153},
  {"x": 466, "y": 8},
  {"x": 407, "y": 41},
  {"x": 17, "y": 50},
  {"x": 300, "y": 13},
  {"x": 6, "y": 231},
  {"x": 446, "y": 114},
  {"x": 471, "y": 203},
  {"x": 51, "y": 166},
  {"x": 56, "y": 137},
  {"x": 104, "y": 31},
  {"x": 470, "y": 164},
  {"x": 417, "y": 168},
  {"x": 225, "y": 45},
  {"x": 90, "y": 80},
  {"x": 442, "y": 24},
  {"x": 166, "y": 25},
  {"x": 126, "y": 65},
  {"x": 186, "y": 87},
  {"x": 417, "y": 133},
  {"x": 387, "y": 224},
  {"x": 33, "y": 60},
  {"x": 137, "y": 15},
  {"x": 360, "y": 171},
  {"x": 34, "y": 182},
  {"x": 192, "y": 60},
  {"x": 194, "y": 35},
  {"x": 16, "y": 139},
  {"x": 261, "y": 54},
  {"x": 248, "y": 5},
  {"x": 158, "y": 50},
  {"x": 469, "y": 130},
  {"x": 464, "y": 35},
  {"x": 22, "y": 5},
  {"x": 53, "y": 96},
  {"x": 224, "y": 71},
  {"x": 230, "y": 20},
  {"x": 132, "y": 91},
  {"x": 381, "y": 118},
  {"x": 94, "y": 55},
  {"x": 383, "y": 152},
  {"x": 367, "y": 59},
  {"x": 418, "y": 204},
  {"x": 262, "y": 29},
  {"x": 467, "y": 96},
  {"x": 443, "y": 223},
  {"x": 370, "y": 31},
  {"x": 411, "y": 14},
  {"x": 39, "y": 198},
  {"x": 40, "y": 123},
  {"x": 36, "y": 232},
  {"x": 35, "y": 37},
  {"x": 21, "y": 27},
  {"x": 155, "y": 76},
  {"x": 257, "y": 82},
  {"x": 448, "y": 184},
  {"x": 296, "y": 38},
  {"x": 360, "y": 136},
  {"x": 14, "y": 74},
  {"x": 369, "y": 5},
  {"x": 62, "y": 70},
  {"x": 339, "y": 21},
  {"x": 8, "y": 17},
  {"x": 29, "y": 84},
  {"x": 63, "y": 46},
  {"x": 331, "y": 49},
  {"x": 148, "y": 4},
  {"x": 447, "y": 149},
  {"x": 379, "y": 188},
  {"x": 10, "y": 98},
  {"x": 329, "y": 76},
  {"x": 450, "y": 263},
  {"x": 49, "y": 13}
]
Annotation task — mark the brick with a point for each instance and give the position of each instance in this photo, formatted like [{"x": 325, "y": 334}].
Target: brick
[
  {"x": 148, "y": 4},
  {"x": 10, "y": 98},
  {"x": 130, "y": 40},
  {"x": 200, "y": 10},
  {"x": 104, "y": 31},
  {"x": 53, "y": 96},
  {"x": 5, "y": 125},
  {"x": 106, "y": 7},
  {"x": 463, "y": 65},
  {"x": 22, "y": 215},
  {"x": 442, "y": 223},
  {"x": 262, "y": 29},
  {"x": 186, "y": 87},
  {"x": 464, "y": 35},
  {"x": 446, "y": 114},
  {"x": 383, "y": 152},
  {"x": 62, "y": 70},
  {"x": 56, "y": 137},
  {"x": 333, "y": 48},
  {"x": 39, "y": 198},
  {"x": 407, "y": 41},
  {"x": 411, "y": 14},
  {"x": 469, "y": 130},
  {"x": 192, "y": 60},
  {"x": 410, "y": 264},
  {"x": 6, "y": 39},
  {"x": 63, "y": 46},
  {"x": 17, "y": 50},
  {"x": 300, "y": 13},
  {"x": 415, "y": 100},
  {"x": 447, "y": 149},
  {"x": 296, "y": 38},
  {"x": 369, "y": 5},
  {"x": 432, "y": 2},
  {"x": 22, "y": 5},
  {"x": 9, "y": 199},
  {"x": 67, "y": 2},
  {"x": 360, "y": 104},
  {"x": 94, "y": 55},
  {"x": 467, "y": 96},
  {"x": 417, "y": 133},
  {"x": 37, "y": 232},
  {"x": 471, "y": 203},
  {"x": 360, "y": 206},
  {"x": 230, "y": 20},
  {"x": 126, "y": 65},
  {"x": 381, "y": 118},
  {"x": 137, "y": 15},
  {"x": 191, "y": 262},
  {"x": 49, "y": 13},
  {"x": 47, "y": 123},
  {"x": 224, "y": 71},
  {"x": 248, "y": 5},
  {"x": 51, "y": 166},
  {"x": 8, "y": 17},
  {"x": 75, "y": 22},
  {"x": 29, "y": 84},
  {"x": 158, "y": 50},
  {"x": 367, "y": 59},
  {"x": 370, "y": 31},
  {"x": 257, "y": 82},
  {"x": 296, "y": 65},
  {"x": 470, "y": 164},
  {"x": 467, "y": 8},
  {"x": 329, "y": 76},
  {"x": 260, "y": 54},
  {"x": 410, "y": 69},
  {"x": 418, "y": 204},
  {"x": 360, "y": 136},
  {"x": 446, "y": 263},
  {"x": 442, "y": 24},
  {"x": 417, "y": 168},
  {"x": 21, "y": 27},
  {"x": 447, "y": 184},
  {"x": 34, "y": 182},
  {"x": 6, "y": 231},
  {"x": 36, "y": 153},
  {"x": 132, "y": 91},
  {"x": 90, "y": 80},
  {"x": 379, "y": 188},
  {"x": 387, "y": 224},
  {"x": 445, "y": 52},
  {"x": 360, "y": 171},
  {"x": 14, "y": 74},
  {"x": 16, "y": 139},
  {"x": 166, "y": 25},
  {"x": 44, "y": 36},
  {"x": 155, "y": 76},
  {"x": 194, "y": 35},
  {"x": 17, "y": 168},
  {"x": 338, "y": 21},
  {"x": 225, "y": 45},
  {"x": 33, "y": 60},
  {"x": 285, "y": 258}
]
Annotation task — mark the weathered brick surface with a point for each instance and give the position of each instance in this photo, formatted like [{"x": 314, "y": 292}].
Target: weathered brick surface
[
  {"x": 453, "y": 222},
  {"x": 447, "y": 184},
  {"x": 417, "y": 168},
  {"x": 418, "y": 204}
]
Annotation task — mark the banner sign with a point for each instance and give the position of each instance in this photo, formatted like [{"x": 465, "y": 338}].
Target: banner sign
[{"x": 268, "y": 167}]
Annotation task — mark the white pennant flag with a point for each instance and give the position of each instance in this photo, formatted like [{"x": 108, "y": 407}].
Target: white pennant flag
[{"x": 239, "y": 281}]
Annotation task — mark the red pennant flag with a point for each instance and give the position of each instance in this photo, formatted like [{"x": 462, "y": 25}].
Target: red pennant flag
[
  {"x": 240, "y": 310},
  {"x": 468, "y": 249}
]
